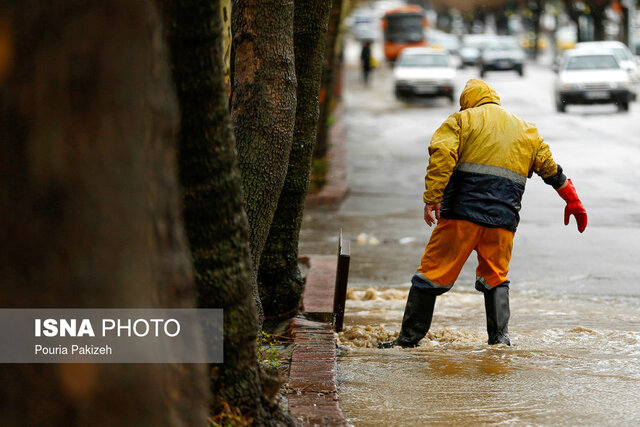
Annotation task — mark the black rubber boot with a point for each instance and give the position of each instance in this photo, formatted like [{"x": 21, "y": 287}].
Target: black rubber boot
[
  {"x": 496, "y": 304},
  {"x": 416, "y": 320}
]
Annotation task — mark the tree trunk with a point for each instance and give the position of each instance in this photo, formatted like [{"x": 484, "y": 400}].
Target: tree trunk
[
  {"x": 216, "y": 225},
  {"x": 537, "y": 13},
  {"x": 624, "y": 37},
  {"x": 279, "y": 279},
  {"x": 329, "y": 78},
  {"x": 263, "y": 106},
  {"x": 599, "y": 17},
  {"x": 502, "y": 23},
  {"x": 90, "y": 212},
  {"x": 574, "y": 14}
]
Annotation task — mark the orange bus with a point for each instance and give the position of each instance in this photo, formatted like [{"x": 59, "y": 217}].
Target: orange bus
[{"x": 403, "y": 27}]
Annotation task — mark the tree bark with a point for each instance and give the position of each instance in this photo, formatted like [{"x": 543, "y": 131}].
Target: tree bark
[
  {"x": 537, "y": 14},
  {"x": 575, "y": 14},
  {"x": 216, "y": 224},
  {"x": 90, "y": 212},
  {"x": 263, "y": 103},
  {"x": 279, "y": 279},
  {"x": 328, "y": 82},
  {"x": 597, "y": 12},
  {"x": 599, "y": 17}
]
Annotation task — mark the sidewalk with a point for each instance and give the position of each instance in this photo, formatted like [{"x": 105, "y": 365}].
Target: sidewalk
[
  {"x": 336, "y": 188},
  {"x": 312, "y": 374}
]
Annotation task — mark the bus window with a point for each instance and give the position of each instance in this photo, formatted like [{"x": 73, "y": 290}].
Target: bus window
[{"x": 403, "y": 27}]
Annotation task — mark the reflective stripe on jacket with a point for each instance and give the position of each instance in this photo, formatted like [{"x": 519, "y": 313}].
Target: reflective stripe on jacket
[{"x": 480, "y": 159}]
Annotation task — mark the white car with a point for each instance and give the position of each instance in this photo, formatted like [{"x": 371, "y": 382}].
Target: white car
[
  {"x": 423, "y": 71},
  {"x": 502, "y": 54},
  {"x": 624, "y": 55},
  {"x": 472, "y": 45},
  {"x": 442, "y": 40},
  {"x": 592, "y": 76}
]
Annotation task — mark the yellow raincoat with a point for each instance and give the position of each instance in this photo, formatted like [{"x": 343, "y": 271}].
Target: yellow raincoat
[{"x": 480, "y": 158}]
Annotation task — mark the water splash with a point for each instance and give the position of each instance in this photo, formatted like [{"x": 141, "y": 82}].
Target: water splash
[
  {"x": 370, "y": 336},
  {"x": 371, "y": 294}
]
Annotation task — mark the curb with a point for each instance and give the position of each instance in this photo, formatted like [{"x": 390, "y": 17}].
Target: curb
[
  {"x": 312, "y": 372},
  {"x": 317, "y": 299},
  {"x": 336, "y": 188}
]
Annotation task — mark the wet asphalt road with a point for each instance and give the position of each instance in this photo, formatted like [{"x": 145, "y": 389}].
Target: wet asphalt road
[
  {"x": 575, "y": 322},
  {"x": 386, "y": 141}
]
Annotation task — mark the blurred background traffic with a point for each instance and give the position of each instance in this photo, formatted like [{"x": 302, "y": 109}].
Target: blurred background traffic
[{"x": 592, "y": 46}]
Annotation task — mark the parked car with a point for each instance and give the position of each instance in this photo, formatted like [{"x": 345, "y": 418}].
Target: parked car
[
  {"x": 502, "y": 54},
  {"x": 627, "y": 60},
  {"x": 446, "y": 41},
  {"x": 471, "y": 48},
  {"x": 592, "y": 76},
  {"x": 423, "y": 71}
]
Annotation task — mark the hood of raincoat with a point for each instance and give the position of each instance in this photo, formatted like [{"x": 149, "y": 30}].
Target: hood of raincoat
[{"x": 476, "y": 93}]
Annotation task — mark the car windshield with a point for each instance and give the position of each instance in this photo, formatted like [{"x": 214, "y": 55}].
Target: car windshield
[
  {"x": 445, "y": 42},
  {"x": 621, "y": 53},
  {"x": 363, "y": 20},
  {"x": 425, "y": 60},
  {"x": 404, "y": 28},
  {"x": 473, "y": 43},
  {"x": 591, "y": 62}
]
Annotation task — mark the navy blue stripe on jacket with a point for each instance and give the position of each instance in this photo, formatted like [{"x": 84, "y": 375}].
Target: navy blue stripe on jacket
[{"x": 491, "y": 198}]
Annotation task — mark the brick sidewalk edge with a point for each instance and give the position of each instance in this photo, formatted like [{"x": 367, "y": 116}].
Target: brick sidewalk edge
[
  {"x": 313, "y": 397},
  {"x": 312, "y": 376}
]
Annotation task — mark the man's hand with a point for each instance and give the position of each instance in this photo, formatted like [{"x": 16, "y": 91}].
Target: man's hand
[
  {"x": 574, "y": 206},
  {"x": 428, "y": 217}
]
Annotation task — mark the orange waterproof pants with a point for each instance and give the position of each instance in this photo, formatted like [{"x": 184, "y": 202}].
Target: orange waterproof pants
[{"x": 451, "y": 243}]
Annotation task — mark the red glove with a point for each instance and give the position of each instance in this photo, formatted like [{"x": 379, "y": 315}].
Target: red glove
[{"x": 574, "y": 206}]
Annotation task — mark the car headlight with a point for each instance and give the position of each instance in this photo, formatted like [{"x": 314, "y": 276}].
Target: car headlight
[
  {"x": 633, "y": 73},
  {"x": 571, "y": 86},
  {"x": 621, "y": 85}
]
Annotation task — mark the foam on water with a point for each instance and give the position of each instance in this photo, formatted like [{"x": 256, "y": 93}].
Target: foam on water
[
  {"x": 371, "y": 294},
  {"x": 370, "y": 336},
  {"x": 570, "y": 358}
]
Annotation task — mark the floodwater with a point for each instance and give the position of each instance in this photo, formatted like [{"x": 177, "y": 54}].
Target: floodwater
[
  {"x": 575, "y": 298},
  {"x": 571, "y": 362}
]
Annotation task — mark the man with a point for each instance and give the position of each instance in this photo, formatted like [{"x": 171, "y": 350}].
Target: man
[
  {"x": 365, "y": 60},
  {"x": 480, "y": 159}
]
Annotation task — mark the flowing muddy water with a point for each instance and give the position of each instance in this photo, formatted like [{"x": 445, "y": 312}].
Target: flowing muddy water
[
  {"x": 572, "y": 362},
  {"x": 575, "y": 298}
]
